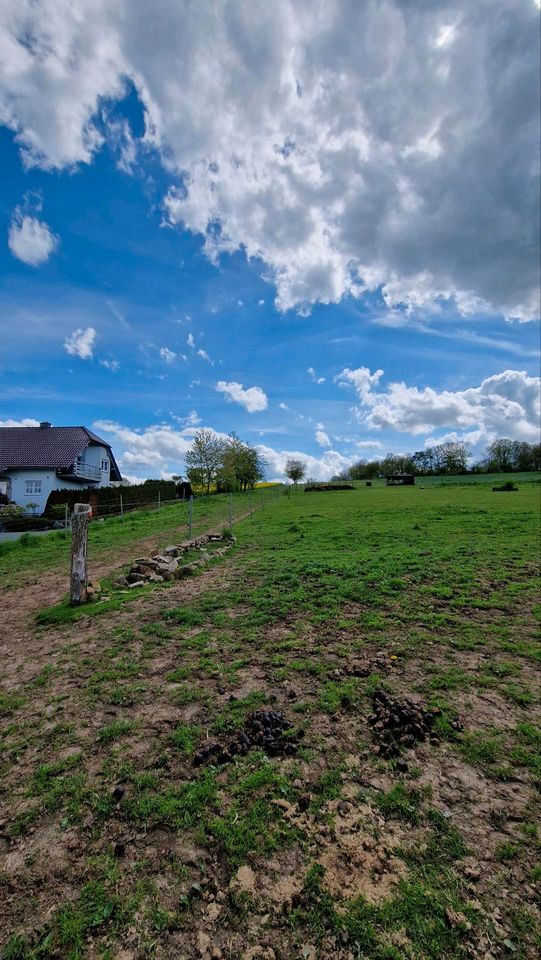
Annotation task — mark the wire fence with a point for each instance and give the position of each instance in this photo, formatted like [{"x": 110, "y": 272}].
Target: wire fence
[{"x": 191, "y": 517}]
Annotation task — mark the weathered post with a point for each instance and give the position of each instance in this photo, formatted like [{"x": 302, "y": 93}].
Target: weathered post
[{"x": 79, "y": 539}]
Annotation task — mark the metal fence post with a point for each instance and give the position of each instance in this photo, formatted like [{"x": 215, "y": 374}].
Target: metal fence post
[
  {"x": 159, "y": 500},
  {"x": 65, "y": 520},
  {"x": 121, "y": 509},
  {"x": 230, "y": 509},
  {"x": 190, "y": 518},
  {"x": 251, "y": 504}
]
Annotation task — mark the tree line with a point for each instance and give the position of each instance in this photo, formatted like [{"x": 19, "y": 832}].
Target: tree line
[{"x": 502, "y": 456}]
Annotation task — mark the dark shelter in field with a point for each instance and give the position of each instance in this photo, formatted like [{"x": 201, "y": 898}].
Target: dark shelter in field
[{"x": 400, "y": 480}]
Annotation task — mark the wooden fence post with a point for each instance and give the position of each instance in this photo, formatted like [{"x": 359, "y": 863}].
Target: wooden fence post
[{"x": 79, "y": 538}]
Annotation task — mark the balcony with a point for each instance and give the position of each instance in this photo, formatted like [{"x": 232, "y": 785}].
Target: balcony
[{"x": 80, "y": 470}]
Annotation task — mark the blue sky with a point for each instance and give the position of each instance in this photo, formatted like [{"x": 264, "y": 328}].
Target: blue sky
[{"x": 147, "y": 289}]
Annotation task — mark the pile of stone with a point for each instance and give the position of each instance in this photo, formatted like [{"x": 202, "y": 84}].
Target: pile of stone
[
  {"x": 266, "y": 729},
  {"x": 168, "y": 565},
  {"x": 401, "y": 723}
]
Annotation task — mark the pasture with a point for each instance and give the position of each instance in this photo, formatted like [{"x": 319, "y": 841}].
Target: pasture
[{"x": 114, "y": 843}]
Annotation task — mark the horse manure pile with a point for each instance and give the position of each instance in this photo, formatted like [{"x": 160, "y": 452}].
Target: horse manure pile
[
  {"x": 267, "y": 729},
  {"x": 402, "y": 723}
]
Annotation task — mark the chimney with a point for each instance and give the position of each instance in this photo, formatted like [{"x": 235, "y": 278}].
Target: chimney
[{"x": 44, "y": 425}]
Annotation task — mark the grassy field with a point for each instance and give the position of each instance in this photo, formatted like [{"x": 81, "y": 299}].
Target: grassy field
[
  {"x": 114, "y": 845},
  {"x": 23, "y": 558}
]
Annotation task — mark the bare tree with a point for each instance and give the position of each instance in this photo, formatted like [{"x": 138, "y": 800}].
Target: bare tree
[{"x": 295, "y": 470}]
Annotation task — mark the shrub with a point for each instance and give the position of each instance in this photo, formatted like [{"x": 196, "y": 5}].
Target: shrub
[{"x": 504, "y": 487}]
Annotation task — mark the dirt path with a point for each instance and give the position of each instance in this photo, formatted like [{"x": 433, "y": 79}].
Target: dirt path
[{"x": 18, "y": 607}]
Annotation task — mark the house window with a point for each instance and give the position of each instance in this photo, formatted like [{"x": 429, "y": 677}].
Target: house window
[
  {"x": 105, "y": 465},
  {"x": 32, "y": 486}
]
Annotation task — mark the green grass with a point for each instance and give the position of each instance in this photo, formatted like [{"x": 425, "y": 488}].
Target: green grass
[{"x": 18, "y": 562}]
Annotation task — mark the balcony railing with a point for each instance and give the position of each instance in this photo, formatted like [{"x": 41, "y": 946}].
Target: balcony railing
[{"x": 82, "y": 471}]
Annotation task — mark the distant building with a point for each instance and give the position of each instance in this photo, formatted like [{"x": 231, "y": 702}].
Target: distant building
[
  {"x": 36, "y": 460},
  {"x": 400, "y": 480}
]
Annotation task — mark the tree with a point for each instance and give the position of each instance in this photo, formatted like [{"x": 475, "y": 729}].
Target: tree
[
  {"x": 454, "y": 456},
  {"x": 241, "y": 465},
  {"x": 204, "y": 458},
  {"x": 295, "y": 470}
]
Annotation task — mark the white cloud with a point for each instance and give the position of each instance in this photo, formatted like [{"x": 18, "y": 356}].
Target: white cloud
[
  {"x": 192, "y": 419},
  {"x": 204, "y": 356},
  {"x": 318, "y": 468},
  {"x": 362, "y": 380},
  {"x": 31, "y": 240},
  {"x": 112, "y": 365},
  {"x": 254, "y": 399},
  {"x": 339, "y": 142},
  {"x": 168, "y": 355},
  {"x": 504, "y": 405},
  {"x": 28, "y": 422},
  {"x": 159, "y": 451},
  {"x": 81, "y": 343},
  {"x": 284, "y": 406},
  {"x": 322, "y": 438},
  {"x": 190, "y": 341},
  {"x": 313, "y": 376},
  {"x": 157, "y": 447}
]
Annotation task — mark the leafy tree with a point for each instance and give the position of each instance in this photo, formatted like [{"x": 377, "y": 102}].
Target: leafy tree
[
  {"x": 295, "y": 470},
  {"x": 204, "y": 459},
  {"x": 241, "y": 466}
]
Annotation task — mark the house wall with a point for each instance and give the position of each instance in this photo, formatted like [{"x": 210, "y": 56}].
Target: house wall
[{"x": 50, "y": 481}]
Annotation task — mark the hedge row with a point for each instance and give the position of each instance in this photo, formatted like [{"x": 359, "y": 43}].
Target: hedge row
[{"x": 106, "y": 500}]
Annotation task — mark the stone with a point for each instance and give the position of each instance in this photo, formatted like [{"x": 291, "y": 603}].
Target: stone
[
  {"x": 135, "y": 578},
  {"x": 172, "y": 551},
  {"x": 120, "y": 582},
  {"x": 138, "y": 583}
]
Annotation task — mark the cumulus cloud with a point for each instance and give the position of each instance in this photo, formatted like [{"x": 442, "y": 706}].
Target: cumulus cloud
[
  {"x": 318, "y": 468},
  {"x": 254, "y": 399},
  {"x": 160, "y": 448},
  {"x": 506, "y": 405},
  {"x": 31, "y": 240},
  {"x": 27, "y": 422},
  {"x": 362, "y": 380},
  {"x": 81, "y": 343},
  {"x": 322, "y": 438},
  {"x": 350, "y": 146},
  {"x": 159, "y": 451},
  {"x": 313, "y": 376}
]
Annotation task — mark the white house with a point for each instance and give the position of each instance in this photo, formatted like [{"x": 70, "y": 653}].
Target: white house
[{"x": 36, "y": 460}]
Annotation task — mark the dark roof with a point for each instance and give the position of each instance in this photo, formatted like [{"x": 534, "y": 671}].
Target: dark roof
[{"x": 47, "y": 448}]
